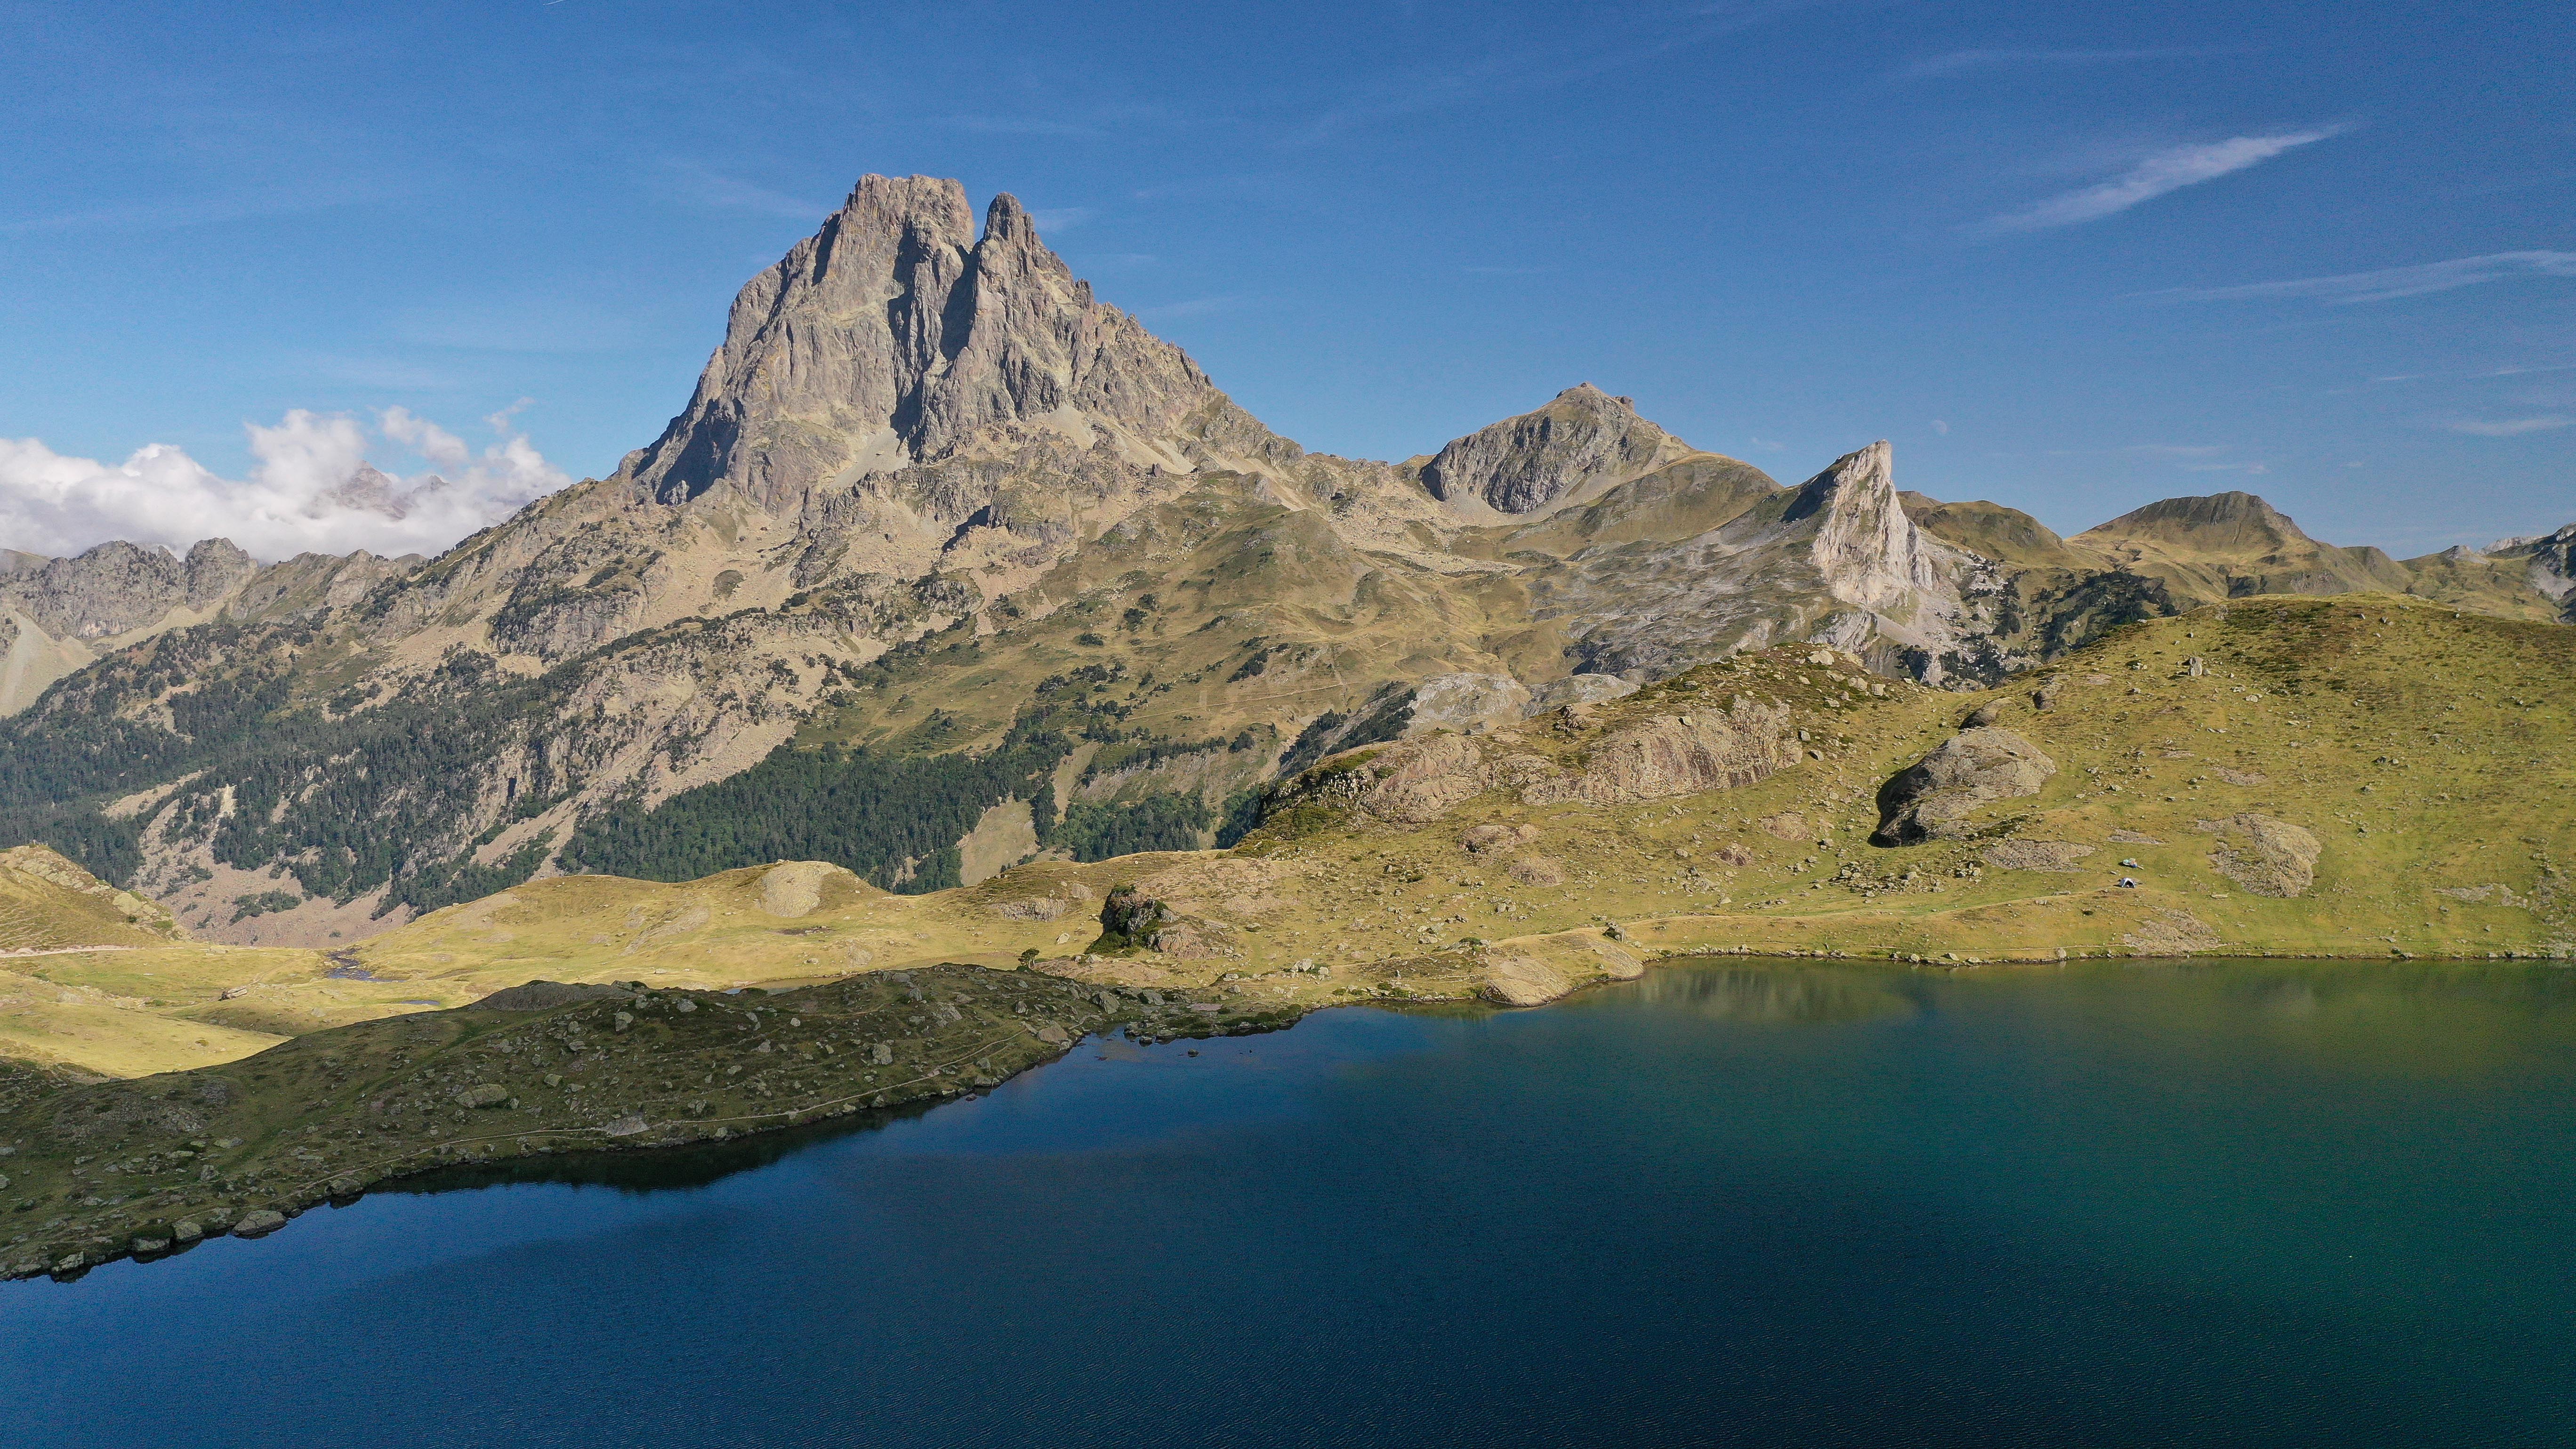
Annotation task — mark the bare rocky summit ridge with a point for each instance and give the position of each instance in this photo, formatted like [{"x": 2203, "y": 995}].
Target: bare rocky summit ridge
[
  {"x": 942, "y": 548},
  {"x": 894, "y": 336},
  {"x": 59, "y": 614},
  {"x": 1581, "y": 441}
]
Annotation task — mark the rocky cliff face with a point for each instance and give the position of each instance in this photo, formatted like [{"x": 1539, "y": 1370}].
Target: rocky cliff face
[
  {"x": 2549, "y": 563},
  {"x": 117, "y": 588},
  {"x": 58, "y": 615}
]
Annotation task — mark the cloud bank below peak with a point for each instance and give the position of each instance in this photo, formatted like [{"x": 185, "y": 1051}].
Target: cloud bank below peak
[
  {"x": 2162, "y": 172},
  {"x": 310, "y": 490}
]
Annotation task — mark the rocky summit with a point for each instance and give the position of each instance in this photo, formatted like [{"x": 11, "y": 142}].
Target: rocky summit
[{"x": 948, "y": 564}]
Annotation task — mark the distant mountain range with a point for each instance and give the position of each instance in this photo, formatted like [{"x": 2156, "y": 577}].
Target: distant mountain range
[{"x": 947, "y": 563}]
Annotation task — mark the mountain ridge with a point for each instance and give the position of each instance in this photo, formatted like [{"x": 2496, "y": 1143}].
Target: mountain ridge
[{"x": 936, "y": 512}]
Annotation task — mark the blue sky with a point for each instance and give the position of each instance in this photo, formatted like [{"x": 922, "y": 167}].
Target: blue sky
[{"x": 2071, "y": 258}]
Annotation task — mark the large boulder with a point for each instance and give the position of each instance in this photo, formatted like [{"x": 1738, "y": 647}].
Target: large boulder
[{"x": 1931, "y": 799}]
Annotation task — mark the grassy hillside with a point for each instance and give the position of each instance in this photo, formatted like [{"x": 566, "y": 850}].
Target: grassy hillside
[
  {"x": 2426, "y": 752},
  {"x": 2415, "y": 759}
]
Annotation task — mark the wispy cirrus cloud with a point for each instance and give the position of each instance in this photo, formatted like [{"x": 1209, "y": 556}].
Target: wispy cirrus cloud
[
  {"x": 988, "y": 125},
  {"x": 1520, "y": 66},
  {"x": 2388, "y": 283},
  {"x": 712, "y": 188},
  {"x": 2165, "y": 171},
  {"x": 1958, "y": 61},
  {"x": 1194, "y": 307},
  {"x": 2511, "y": 427}
]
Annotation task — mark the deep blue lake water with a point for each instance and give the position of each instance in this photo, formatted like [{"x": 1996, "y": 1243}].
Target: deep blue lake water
[{"x": 2215, "y": 1203}]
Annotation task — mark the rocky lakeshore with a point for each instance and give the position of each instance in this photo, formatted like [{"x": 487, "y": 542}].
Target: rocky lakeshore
[{"x": 152, "y": 1166}]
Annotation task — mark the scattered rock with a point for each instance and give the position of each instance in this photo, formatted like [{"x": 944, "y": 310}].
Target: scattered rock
[
  {"x": 489, "y": 1094},
  {"x": 2266, "y": 856},
  {"x": 1733, "y": 853},
  {"x": 1991, "y": 712},
  {"x": 1932, "y": 799},
  {"x": 2131, "y": 837},
  {"x": 882, "y": 1054},
  {"x": 1053, "y": 1035},
  {"x": 626, "y": 1126},
  {"x": 2247, "y": 778},
  {"x": 1537, "y": 870},
  {"x": 2058, "y": 855},
  {"x": 185, "y": 1231}
]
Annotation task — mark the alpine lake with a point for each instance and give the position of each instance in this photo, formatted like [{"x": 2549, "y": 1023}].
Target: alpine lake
[{"x": 1734, "y": 1202}]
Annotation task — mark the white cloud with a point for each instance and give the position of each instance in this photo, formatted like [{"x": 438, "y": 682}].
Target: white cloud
[
  {"x": 2392, "y": 282},
  {"x": 1941, "y": 427},
  {"x": 2512, "y": 427},
  {"x": 310, "y": 489},
  {"x": 2168, "y": 170}
]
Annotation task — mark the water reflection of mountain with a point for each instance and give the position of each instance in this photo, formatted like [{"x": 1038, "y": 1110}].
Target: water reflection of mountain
[{"x": 1786, "y": 993}]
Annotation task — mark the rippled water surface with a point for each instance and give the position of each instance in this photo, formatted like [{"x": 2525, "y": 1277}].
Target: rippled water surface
[{"x": 1733, "y": 1203}]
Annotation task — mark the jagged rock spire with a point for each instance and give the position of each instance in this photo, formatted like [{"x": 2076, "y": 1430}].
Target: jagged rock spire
[{"x": 1869, "y": 552}]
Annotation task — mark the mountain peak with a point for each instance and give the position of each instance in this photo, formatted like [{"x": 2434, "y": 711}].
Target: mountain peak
[
  {"x": 896, "y": 335},
  {"x": 2230, "y": 524},
  {"x": 1579, "y": 442}
]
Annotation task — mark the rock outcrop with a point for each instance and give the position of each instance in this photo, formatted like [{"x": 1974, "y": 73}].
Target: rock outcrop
[
  {"x": 1931, "y": 799},
  {"x": 1420, "y": 780},
  {"x": 2549, "y": 561},
  {"x": 2266, "y": 856},
  {"x": 1835, "y": 560}
]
